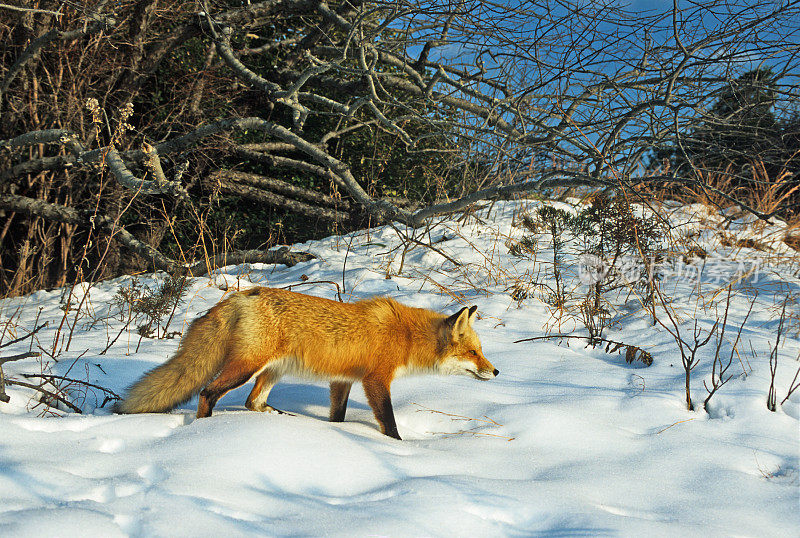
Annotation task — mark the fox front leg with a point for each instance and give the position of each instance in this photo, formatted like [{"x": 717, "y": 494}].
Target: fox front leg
[
  {"x": 377, "y": 391},
  {"x": 340, "y": 390}
]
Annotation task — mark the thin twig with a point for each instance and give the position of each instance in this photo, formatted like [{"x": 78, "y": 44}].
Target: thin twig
[
  {"x": 630, "y": 350},
  {"x": 470, "y": 431},
  {"x": 426, "y": 245},
  {"x": 46, "y": 393},
  {"x": 675, "y": 423},
  {"x": 29, "y": 335},
  {"x": 455, "y": 417},
  {"x": 773, "y": 362},
  {"x": 792, "y": 386},
  {"x": 305, "y": 282},
  {"x": 71, "y": 380}
]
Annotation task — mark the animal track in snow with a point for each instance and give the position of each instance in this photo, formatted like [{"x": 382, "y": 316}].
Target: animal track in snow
[
  {"x": 107, "y": 493},
  {"x": 151, "y": 474},
  {"x": 111, "y": 446},
  {"x": 130, "y": 525},
  {"x": 629, "y": 512}
]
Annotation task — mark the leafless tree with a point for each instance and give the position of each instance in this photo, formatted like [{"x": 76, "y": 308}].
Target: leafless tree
[{"x": 501, "y": 98}]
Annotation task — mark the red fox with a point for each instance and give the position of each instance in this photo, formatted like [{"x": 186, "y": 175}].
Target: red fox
[{"x": 268, "y": 333}]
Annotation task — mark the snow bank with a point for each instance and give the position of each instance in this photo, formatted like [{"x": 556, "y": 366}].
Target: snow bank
[{"x": 567, "y": 440}]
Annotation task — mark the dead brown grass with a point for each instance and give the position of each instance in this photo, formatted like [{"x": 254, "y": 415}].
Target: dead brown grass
[{"x": 761, "y": 192}]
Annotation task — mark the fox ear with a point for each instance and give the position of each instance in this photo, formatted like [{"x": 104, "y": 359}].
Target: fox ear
[
  {"x": 452, "y": 320},
  {"x": 459, "y": 321},
  {"x": 473, "y": 313}
]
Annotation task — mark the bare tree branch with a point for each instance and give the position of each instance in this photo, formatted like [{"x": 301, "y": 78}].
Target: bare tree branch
[
  {"x": 281, "y": 256},
  {"x": 280, "y": 186},
  {"x": 444, "y": 103},
  {"x": 267, "y": 197}
]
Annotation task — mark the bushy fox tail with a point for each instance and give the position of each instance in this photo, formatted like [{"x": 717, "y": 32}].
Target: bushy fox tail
[{"x": 198, "y": 359}]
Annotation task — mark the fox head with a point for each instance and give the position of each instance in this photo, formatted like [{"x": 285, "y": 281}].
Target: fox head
[{"x": 462, "y": 348}]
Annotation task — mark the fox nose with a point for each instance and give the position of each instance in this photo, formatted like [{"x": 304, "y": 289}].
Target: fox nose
[{"x": 496, "y": 371}]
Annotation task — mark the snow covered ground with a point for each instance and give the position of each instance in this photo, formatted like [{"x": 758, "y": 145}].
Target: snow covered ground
[{"x": 567, "y": 441}]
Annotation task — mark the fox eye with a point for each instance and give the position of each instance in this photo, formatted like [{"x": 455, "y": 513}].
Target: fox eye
[{"x": 473, "y": 352}]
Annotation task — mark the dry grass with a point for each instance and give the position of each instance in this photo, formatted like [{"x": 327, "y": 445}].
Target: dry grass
[
  {"x": 759, "y": 191},
  {"x": 482, "y": 422}
]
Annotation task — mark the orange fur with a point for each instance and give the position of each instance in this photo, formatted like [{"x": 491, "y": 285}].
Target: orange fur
[{"x": 268, "y": 333}]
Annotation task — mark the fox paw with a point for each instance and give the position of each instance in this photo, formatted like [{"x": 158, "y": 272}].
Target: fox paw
[{"x": 267, "y": 408}]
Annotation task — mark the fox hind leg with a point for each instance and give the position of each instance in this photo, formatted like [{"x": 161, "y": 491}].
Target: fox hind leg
[
  {"x": 230, "y": 378},
  {"x": 257, "y": 400},
  {"x": 340, "y": 390},
  {"x": 238, "y": 368}
]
